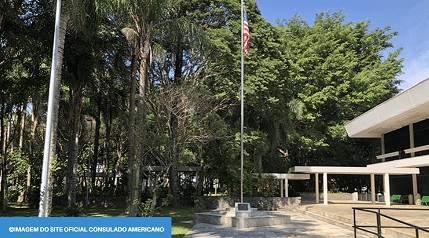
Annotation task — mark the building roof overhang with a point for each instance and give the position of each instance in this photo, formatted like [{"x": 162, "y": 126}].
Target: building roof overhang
[
  {"x": 407, "y": 107},
  {"x": 354, "y": 170},
  {"x": 419, "y": 161},
  {"x": 286, "y": 176}
]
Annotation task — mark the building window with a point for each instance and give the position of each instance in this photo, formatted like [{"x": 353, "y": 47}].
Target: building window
[
  {"x": 421, "y": 133},
  {"x": 397, "y": 140}
]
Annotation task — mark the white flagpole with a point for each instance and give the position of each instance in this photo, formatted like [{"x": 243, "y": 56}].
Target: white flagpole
[
  {"x": 49, "y": 122},
  {"x": 242, "y": 100}
]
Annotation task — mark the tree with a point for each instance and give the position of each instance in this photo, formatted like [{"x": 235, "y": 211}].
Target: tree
[
  {"x": 12, "y": 93},
  {"x": 336, "y": 72},
  {"x": 264, "y": 92},
  {"x": 144, "y": 16},
  {"x": 73, "y": 14},
  {"x": 157, "y": 83}
]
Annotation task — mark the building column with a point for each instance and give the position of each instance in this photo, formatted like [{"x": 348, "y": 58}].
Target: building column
[
  {"x": 414, "y": 179},
  {"x": 413, "y": 154},
  {"x": 387, "y": 189},
  {"x": 281, "y": 188},
  {"x": 383, "y": 149},
  {"x": 325, "y": 188},
  {"x": 411, "y": 129},
  {"x": 286, "y": 187},
  {"x": 316, "y": 179},
  {"x": 373, "y": 188}
]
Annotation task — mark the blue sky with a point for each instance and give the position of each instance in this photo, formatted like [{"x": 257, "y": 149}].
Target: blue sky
[{"x": 408, "y": 17}]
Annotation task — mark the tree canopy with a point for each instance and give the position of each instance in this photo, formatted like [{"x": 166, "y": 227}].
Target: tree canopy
[{"x": 156, "y": 83}]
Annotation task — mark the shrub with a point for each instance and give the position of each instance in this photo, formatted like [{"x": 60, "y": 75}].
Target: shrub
[
  {"x": 13, "y": 193},
  {"x": 33, "y": 197}
]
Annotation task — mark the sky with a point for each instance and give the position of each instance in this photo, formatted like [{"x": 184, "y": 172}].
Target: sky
[{"x": 410, "y": 18}]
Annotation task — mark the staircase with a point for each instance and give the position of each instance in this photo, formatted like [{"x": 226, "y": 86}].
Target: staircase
[{"x": 347, "y": 223}]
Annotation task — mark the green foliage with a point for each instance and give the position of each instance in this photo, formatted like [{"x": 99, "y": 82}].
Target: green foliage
[
  {"x": 337, "y": 72},
  {"x": 74, "y": 211},
  {"x": 266, "y": 187},
  {"x": 18, "y": 163},
  {"x": 146, "y": 207},
  {"x": 302, "y": 83},
  {"x": 33, "y": 196},
  {"x": 13, "y": 193}
]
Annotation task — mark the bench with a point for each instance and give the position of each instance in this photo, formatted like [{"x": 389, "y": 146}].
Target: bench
[
  {"x": 396, "y": 198},
  {"x": 425, "y": 200}
]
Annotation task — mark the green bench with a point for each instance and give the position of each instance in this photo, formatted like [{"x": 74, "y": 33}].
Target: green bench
[
  {"x": 396, "y": 198},
  {"x": 425, "y": 200}
]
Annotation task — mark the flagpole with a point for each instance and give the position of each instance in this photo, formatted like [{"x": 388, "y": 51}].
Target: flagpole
[{"x": 242, "y": 100}]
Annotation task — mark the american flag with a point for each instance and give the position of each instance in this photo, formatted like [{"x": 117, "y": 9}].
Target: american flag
[{"x": 246, "y": 34}]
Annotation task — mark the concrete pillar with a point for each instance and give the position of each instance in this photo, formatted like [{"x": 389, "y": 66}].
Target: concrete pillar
[
  {"x": 411, "y": 129},
  {"x": 413, "y": 154},
  {"x": 286, "y": 187},
  {"x": 325, "y": 188},
  {"x": 383, "y": 149},
  {"x": 414, "y": 179},
  {"x": 372, "y": 188},
  {"x": 386, "y": 189},
  {"x": 281, "y": 188},
  {"x": 316, "y": 178}
]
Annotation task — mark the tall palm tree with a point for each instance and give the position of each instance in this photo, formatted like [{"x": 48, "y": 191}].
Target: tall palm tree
[
  {"x": 72, "y": 16},
  {"x": 144, "y": 16}
]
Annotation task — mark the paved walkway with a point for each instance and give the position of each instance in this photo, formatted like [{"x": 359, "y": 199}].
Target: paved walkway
[
  {"x": 303, "y": 225},
  {"x": 343, "y": 211}
]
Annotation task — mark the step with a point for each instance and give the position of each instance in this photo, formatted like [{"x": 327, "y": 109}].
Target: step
[
  {"x": 348, "y": 223},
  {"x": 333, "y": 220}
]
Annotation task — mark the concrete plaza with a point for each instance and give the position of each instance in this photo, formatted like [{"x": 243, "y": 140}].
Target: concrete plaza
[{"x": 318, "y": 220}]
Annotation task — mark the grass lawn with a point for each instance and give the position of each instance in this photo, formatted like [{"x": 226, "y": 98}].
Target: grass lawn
[{"x": 181, "y": 217}]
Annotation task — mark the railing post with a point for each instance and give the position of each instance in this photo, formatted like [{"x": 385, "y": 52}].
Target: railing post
[
  {"x": 377, "y": 212},
  {"x": 354, "y": 221},
  {"x": 378, "y": 224}
]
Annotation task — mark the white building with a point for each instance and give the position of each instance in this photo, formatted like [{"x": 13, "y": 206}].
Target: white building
[{"x": 402, "y": 125}]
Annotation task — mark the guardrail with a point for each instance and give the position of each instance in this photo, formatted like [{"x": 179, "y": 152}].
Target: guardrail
[{"x": 378, "y": 227}]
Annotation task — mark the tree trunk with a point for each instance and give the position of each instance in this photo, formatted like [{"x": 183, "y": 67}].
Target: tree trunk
[
  {"x": 3, "y": 187},
  {"x": 2, "y": 16},
  {"x": 174, "y": 152},
  {"x": 131, "y": 136},
  {"x": 154, "y": 191},
  {"x": 34, "y": 124},
  {"x": 96, "y": 143},
  {"x": 201, "y": 174},
  {"x": 174, "y": 158},
  {"x": 76, "y": 97},
  {"x": 21, "y": 118},
  {"x": 7, "y": 140},
  {"x": 108, "y": 134},
  {"x": 174, "y": 121},
  {"x": 4, "y": 182},
  {"x": 174, "y": 184},
  {"x": 134, "y": 167},
  {"x": 178, "y": 64},
  {"x": 52, "y": 157}
]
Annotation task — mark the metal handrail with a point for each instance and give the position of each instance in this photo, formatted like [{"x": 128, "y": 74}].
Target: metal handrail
[{"x": 379, "y": 226}]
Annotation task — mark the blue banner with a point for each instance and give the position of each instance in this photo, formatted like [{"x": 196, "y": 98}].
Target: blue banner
[{"x": 85, "y": 227}]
